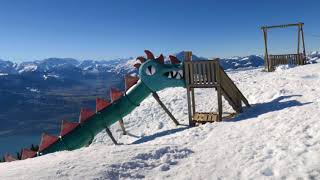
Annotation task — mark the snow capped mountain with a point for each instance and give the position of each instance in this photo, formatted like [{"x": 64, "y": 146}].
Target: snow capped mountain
[
  {"x": 7, "y": 67},
  {"x": 242, "y": 62},
  {"x": 61, "y": 65}
]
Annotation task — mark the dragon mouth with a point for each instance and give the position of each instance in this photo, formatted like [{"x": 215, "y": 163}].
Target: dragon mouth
[{"x": 174, "y": 74}]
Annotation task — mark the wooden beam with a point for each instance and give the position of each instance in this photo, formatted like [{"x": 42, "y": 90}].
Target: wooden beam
[
  {"x": 282, "y": 25},
  {"x": 266, "y": 56},
  {"x": 191, "y": 123},
  {"x": 303, "y": 45},
  {"x": 122, "y": 126},
  {"x": 111, "y": 136},
  {"x": 299, "y": 37},
  {"x": 188, "y": 56},
  {"x": 156, "y": 96},
  {"x": 218, "y": 75}
]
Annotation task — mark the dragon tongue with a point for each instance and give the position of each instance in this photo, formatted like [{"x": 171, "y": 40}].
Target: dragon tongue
[
  {"x": 46, "y": 141},
  {"x": 130, "y": 81},
  {"x": 67, "y": 127},
  {"x": 27, "y": 153},
  {"x": 115, "y": 94},
  {"x": 9, "y": 158},
  {"x": 85, "y": 114},
  {"x": 101, "y": 104}
]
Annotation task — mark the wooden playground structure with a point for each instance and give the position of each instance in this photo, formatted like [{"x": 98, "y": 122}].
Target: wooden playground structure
[
  {"x": 273, "y": 60},
  {"x": 209, "y": 74}
]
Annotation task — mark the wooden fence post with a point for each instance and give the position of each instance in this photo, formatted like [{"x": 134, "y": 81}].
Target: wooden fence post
[{"x": 266, "y": 56}]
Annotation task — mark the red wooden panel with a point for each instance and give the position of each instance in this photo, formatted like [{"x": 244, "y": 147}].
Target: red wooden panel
[
  {"x": 46, "y": 141},
  {"x": 27, "y": 153},
  {"x": 101, "y": 104},
  {"x": 9, "y": 158},
  {"x": 115, "y": 94},
  {"x": 85, "y": 114},
  {"x": 130, "y": 81},
  {"x": 67, "y": 126}
]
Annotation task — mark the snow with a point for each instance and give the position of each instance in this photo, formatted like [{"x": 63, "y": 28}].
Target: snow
[
  {"x": 35, "y": 90},
  {"x": 277, "y": 138},
  {"x": 28, "y": 68},
  {"x": 46, "y": 76}
]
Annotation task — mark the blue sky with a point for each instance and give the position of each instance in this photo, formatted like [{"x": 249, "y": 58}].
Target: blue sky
[{"x": 106, "y": 29}]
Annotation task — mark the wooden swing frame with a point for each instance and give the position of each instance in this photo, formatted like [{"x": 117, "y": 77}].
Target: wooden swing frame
[{"x": 273, "y": 60}]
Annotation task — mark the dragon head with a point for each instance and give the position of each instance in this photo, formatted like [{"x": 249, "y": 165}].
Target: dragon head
[{"x": 157, "y": 75}]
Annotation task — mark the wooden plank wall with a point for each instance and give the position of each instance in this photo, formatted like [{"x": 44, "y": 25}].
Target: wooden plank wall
[{"x": 275, "y": 60}]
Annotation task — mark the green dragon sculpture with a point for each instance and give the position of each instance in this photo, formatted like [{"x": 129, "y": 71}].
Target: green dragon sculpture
[{"x": 154, "y": 75}]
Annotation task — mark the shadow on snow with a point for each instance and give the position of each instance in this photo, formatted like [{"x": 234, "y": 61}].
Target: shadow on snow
[
  {"x": 277, "y": 104},
  {"x": 159, "y": 134}
]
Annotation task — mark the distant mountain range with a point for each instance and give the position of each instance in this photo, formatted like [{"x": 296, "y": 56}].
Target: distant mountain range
[{"x": 61, "y": 67}]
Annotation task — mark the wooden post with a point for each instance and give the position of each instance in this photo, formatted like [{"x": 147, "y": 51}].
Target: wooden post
[
  {"x": 188, "y": 56},
  {"x": 111, "y": 136},
  {"x": 218, "y": 75},
  {"x": 298, "y": 50},
  {"x": 191, "y": 98},
  {"x": 303, "y": 45},
  {"x": 191, "y": 123},
  {"x": 266, "y": 56},
  {"x": 193, "y": 101},
  {"x": 122, "y": 126},
  {"x": 156, "y": 96}
]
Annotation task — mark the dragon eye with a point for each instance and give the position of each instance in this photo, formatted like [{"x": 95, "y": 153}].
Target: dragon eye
[{"x": 150, "y": 70}]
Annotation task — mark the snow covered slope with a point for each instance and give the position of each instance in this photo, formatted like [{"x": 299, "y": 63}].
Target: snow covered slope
[{"x": 277, "y": 138}]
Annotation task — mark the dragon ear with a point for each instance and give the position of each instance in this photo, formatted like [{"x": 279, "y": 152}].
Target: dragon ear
[
  {"x": 174, "y": 60},
  {"x": 160, "y": 59},
  {"x": 141, "y": 59},
  {"x": 137, "y": 65},
  {"x": 149, "y": 54}
]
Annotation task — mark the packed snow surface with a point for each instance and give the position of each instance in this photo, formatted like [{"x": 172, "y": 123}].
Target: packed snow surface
[{"x": 277, "y": 138}]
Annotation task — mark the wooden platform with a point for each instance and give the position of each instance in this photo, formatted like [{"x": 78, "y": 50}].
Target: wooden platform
[{"x": 203, "y": 117}]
